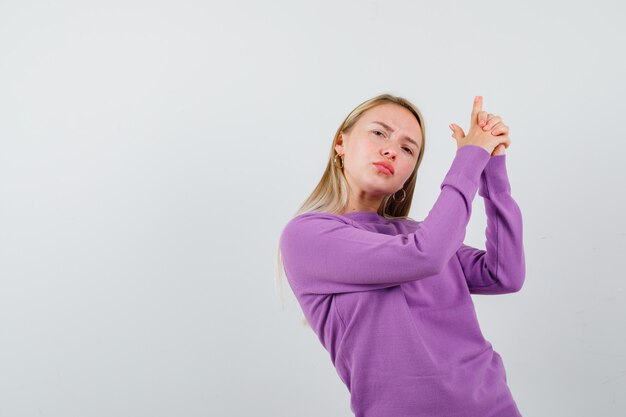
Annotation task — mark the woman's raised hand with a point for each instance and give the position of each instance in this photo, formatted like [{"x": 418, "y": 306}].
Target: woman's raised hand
[{"x": 486, "y": 131}]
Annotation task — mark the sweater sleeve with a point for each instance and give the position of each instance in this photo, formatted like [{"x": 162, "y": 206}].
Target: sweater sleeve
[
  {"x": 501, "y": 268},
  {"x": 324, "y": 253}
]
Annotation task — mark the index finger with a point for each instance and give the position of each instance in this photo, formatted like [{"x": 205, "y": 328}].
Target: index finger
[{"x": 478, "y": 107}]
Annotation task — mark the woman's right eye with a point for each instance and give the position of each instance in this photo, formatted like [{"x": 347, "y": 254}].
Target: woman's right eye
[{"x": 376, "y": 131}]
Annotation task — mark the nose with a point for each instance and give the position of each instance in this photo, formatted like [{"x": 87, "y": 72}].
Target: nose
[{"x": 390, "y": 153}]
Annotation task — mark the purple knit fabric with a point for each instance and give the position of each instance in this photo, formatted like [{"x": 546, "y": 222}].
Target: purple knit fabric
[{"x": 389, "y": 299}]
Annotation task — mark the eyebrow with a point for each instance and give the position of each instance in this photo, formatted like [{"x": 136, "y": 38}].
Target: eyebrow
[{"x": 391, "y": 130}]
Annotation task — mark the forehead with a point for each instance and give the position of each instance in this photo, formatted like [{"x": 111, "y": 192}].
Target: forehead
[{"x": 395, "y": 116}]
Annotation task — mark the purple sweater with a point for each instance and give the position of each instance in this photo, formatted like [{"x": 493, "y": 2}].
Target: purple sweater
[{"x": 390, "y": 299}]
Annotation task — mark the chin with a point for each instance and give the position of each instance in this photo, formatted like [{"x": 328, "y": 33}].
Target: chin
[{"x": 376, "y": 189}]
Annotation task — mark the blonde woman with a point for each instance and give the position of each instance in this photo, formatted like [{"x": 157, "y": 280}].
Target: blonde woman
[{"x": 389, "y": 296}]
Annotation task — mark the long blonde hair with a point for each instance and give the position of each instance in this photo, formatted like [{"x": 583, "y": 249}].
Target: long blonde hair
[{"x": 331, "y": 193}]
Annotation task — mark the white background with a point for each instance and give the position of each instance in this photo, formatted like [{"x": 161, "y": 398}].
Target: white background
[{"x": 152, "y": 151}]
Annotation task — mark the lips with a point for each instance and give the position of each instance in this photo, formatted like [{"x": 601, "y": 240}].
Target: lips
[{"x": 386, "y": 166}]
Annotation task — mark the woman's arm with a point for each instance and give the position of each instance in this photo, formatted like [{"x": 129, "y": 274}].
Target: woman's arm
[
  {"x": 325, "y": 254},
  {"x": 501, "y": 268}
]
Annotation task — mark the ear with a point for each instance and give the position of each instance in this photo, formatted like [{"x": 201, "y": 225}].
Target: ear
[{"x": 339, "y": 144}]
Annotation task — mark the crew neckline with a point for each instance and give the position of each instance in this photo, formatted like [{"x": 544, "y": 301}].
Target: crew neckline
[{"x": 364, "y": 215}]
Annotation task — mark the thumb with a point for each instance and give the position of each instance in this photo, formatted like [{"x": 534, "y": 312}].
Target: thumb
[{"x": 457, "y": 132}]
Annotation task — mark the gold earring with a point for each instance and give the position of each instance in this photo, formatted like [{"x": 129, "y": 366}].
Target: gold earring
[
  {"x": 341, "y": 158},
  {"x": 403, "y": 197}
]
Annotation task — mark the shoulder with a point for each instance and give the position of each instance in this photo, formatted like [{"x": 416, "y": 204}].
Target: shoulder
[
  {"x": 310, "y": 232},
  {"x": 314, "y": 219}
]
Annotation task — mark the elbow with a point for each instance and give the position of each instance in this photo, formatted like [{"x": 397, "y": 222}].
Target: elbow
[
  {"x": 508, "y": 285},
  {"x": 514, "y": 277},
  {"x": 519, "y": 283},
  {"x": 515, "y": 284},
  {"x": 514, "y": 288}
]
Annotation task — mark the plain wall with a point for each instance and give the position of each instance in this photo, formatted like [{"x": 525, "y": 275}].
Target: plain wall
[{"x": 152, "y": 151}]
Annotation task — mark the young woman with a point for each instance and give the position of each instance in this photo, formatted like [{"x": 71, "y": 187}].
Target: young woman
[{"x": 388, "y": 296}]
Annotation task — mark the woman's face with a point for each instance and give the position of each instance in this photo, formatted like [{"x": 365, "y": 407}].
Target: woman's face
[{"x": 386, "y": 133}]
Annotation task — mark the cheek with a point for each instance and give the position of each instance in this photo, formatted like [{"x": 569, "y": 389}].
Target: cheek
[
  {"x": 407, "y": 163},
  {"x": 407, "y": 167},
  {"x": 365, "y": 154}
]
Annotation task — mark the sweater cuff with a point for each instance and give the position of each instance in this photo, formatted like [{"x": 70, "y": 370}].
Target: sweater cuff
[
  {"x": 468, "y": 163},
  {"x": 494, "y": 178}
]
